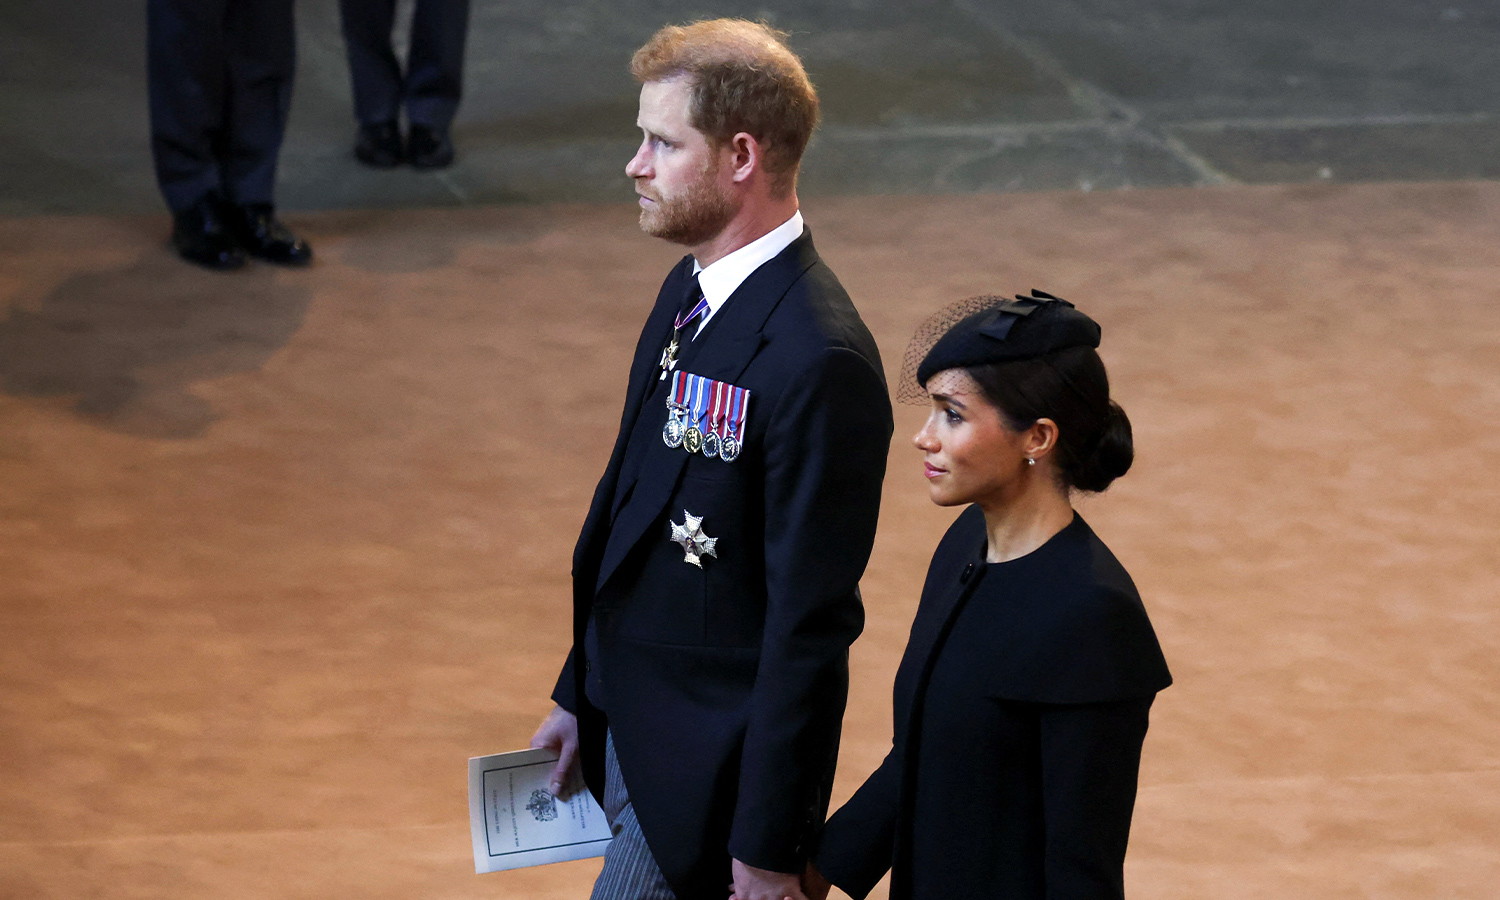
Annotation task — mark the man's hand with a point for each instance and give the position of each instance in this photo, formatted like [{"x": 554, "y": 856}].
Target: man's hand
[
  {"x": 559, "y": 733},
  {"x": 814, "y": 884},
  {"x": 751, "y": 883}
]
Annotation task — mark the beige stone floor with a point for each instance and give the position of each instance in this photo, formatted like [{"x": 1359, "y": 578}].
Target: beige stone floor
[{"x": 279, "y": 550}]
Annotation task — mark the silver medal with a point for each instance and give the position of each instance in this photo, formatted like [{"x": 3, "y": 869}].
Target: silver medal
[
  {"x": 710, "y": 445},
  {"x": 672, "y": 432},
  {"x": 729, "y": 449}
]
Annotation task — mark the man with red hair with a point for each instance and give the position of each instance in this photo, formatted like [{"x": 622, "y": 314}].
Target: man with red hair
[{"x": 715, "y": 582}]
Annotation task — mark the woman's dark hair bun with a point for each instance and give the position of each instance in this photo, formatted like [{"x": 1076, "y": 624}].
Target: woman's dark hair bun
[{"x": 1110, "y": 456}]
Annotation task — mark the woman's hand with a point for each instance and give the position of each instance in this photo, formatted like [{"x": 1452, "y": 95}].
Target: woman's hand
[
  {"x": 751, "y": 883},
  {"x": 814, "y": 885}
]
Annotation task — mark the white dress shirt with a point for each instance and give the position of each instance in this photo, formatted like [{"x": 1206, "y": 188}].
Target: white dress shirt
[{"x": 724, "y": 276}]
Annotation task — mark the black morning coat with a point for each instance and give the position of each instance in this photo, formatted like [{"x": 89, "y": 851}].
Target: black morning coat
[
  {"x": 725, "y": 685},
  {"x": 1021, "y": 705}
]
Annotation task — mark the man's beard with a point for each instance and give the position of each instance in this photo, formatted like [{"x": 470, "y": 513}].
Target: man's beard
[{"x": 692, "y": 218}]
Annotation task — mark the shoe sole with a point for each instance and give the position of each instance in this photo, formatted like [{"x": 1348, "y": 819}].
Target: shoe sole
[
  {"x": 378, "y": 162},
  {"x": 439, "y": 163},
  {"x": 229, "y": 265}
]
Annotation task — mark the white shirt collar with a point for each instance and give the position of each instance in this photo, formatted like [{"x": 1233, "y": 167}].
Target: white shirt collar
[{"x": 724, "y": 276}]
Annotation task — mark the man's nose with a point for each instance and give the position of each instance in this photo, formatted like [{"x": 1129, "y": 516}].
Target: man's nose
[{"x": 637, "y": 167}]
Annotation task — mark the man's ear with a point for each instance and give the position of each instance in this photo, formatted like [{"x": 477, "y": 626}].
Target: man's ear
[{"x": 744, "y": 156}]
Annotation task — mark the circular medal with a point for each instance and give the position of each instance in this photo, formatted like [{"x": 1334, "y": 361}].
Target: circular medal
[
  {"x": 710, "y": 445},
  {"x": 671, "y": 433},
  {"x": 692, "y": 439},
  {"x": 729, "y": 449}
]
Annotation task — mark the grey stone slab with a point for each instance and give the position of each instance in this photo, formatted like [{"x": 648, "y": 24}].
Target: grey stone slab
[
  {"x": 1090, "y": 157},
  {"x": 934, "y": 65},
  {"x": 545, "y": 172},
  {"x": 73, "y": 133},
  {"x": 1208, "y": 59},
  {"x": 328, "y": 177},
  {"x": 1269, "y": 154},
  {"x": 33, "y": 183}
]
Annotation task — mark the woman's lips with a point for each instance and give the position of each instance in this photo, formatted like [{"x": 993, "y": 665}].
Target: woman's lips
[{"x": 932, "y": 471}]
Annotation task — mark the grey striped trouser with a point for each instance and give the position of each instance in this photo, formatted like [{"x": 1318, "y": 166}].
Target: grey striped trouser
[{"x": 630, "y": 872}]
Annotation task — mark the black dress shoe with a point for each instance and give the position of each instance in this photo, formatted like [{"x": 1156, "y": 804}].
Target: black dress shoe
[
  {"x": 199, "y": 236},
  {"x": 379, "y": 145},
  {"x": 256, "y": 229},
  {"x": 429, "y": 148}
]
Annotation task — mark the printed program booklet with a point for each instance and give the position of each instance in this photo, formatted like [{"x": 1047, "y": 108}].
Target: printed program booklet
[{"x": 516, "y": 821}]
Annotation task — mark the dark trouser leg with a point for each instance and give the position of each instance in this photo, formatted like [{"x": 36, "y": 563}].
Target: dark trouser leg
[
  {"x": 187, "y": 77},
  {"x": 630, "y": 872},
  {"x": 435, "y": 67},
  {"x": 262, "y": 45},
  {"x": 373, "y": 70}
]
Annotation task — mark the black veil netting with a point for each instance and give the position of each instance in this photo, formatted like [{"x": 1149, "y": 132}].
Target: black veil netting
[{"x": 932, "y": 329}]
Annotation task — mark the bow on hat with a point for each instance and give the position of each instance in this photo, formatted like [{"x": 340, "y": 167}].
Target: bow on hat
[
  {"x": 1011, "y": 311},
  {"x": 990, "y": 335}
]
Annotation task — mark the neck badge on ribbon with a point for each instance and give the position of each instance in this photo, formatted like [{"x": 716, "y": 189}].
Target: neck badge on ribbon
[{"x": 669, "y": 355}]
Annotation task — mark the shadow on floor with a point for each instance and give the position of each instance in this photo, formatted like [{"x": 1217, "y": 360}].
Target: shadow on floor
[{"x": 130, "y": 343}]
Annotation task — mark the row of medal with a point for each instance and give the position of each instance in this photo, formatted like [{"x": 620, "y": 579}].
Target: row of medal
[{"x": 706, "y": 416}]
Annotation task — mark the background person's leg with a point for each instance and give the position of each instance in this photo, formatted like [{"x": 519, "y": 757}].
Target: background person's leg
[
  {"x": 187, "y": 77},
  {"x": 185, "y": 65},
  {"x": 262, "y": 55},
  {"x": 262, "y": 62},
  {"x": 434, "y": 78},
  {"x": 374, "y": 72},
  {"x": 435, "y": 66}
]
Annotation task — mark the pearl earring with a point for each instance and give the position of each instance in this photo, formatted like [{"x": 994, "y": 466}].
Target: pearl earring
[{"x": 1030, "y": 461}]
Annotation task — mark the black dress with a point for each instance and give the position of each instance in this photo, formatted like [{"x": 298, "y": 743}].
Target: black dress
[{"x": 1021, "y": 705}]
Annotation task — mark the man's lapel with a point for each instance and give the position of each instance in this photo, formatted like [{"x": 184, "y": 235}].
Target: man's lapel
[
  {"x": 645, "y": 369},
  {"x": 730, "y": 342},
  {"x": 643, "y": 376}
]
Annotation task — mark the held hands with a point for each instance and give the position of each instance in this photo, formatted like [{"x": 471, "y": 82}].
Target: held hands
[
  {"x": 814, "y": 885},
  {"x": 559, "y": 733},
  {"x": 751, "y": 883}
]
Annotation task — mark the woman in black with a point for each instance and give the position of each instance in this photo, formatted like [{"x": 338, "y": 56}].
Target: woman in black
[{"x": 1021, "y": 702}]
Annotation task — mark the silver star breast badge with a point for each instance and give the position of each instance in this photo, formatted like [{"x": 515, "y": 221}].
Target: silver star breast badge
[{"x": 695, "y": 544}]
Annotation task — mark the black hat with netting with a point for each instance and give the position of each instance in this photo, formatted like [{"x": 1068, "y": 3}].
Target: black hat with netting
[{"x": 990, "y": 329}]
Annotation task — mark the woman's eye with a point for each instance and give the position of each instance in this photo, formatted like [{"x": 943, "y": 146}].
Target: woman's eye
[{"x": 952, "y": 416}]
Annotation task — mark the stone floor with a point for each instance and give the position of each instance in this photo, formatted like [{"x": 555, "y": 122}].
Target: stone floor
[{"x": 279, "y": 550}]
